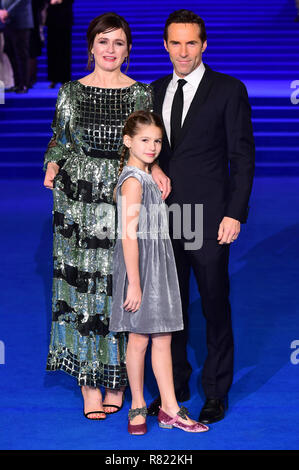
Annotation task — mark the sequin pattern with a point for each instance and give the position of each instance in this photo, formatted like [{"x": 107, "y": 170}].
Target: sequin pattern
[{"x": 86, "y": 142}]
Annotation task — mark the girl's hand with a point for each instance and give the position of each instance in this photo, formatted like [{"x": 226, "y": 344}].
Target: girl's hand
[
  {"x": 134, "y": 296},
  {"x": 52, "y": 170}
]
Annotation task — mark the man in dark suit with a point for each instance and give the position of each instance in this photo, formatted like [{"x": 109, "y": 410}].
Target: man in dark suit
[
  {"x": 208, "y": 154},
  {"x": 17, "y": 17},
  {"x": 59, "y": 51}
]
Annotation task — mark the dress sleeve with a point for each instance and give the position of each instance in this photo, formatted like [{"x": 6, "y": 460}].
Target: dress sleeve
[
  {"x": 129, "y": 174},
  {"x": 59, "y": 147},
  {"x": 122, "y": 179}
]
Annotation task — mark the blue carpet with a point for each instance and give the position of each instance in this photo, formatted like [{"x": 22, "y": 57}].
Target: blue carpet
[{"x": 43, "y": 410}]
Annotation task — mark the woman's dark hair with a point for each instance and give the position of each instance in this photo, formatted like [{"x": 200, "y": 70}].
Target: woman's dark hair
[
  {"x": 186, "y": 16},
  {"x": 104, "y": 24},
  {"x": 131, "y": 128}
]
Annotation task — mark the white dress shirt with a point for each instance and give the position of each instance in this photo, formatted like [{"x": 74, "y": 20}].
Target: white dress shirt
[{"x": 189, "y": 89}]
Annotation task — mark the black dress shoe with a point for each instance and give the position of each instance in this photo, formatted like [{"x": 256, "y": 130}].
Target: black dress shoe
[
  {"x": 22, "y": 89},
  {"x": 213, "y": 410},
  {"x": 154, "y": 407},
  {"x": 11, "y": 89}
]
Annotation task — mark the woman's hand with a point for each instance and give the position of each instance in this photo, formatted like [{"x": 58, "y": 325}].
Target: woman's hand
[
  {"x": 134, "y": 296},
  {"x": 52, "y": 170}
]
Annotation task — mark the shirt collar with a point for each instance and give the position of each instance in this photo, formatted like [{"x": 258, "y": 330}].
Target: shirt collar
[{"x": 194, "y": 78}]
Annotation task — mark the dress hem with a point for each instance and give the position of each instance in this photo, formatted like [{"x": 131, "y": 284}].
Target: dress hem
[
  {"x": 93, "y": 379},
  {"x": 172, "y": 330}
]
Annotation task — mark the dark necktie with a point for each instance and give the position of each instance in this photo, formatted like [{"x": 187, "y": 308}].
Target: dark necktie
[{"x": 176, "y": 112}]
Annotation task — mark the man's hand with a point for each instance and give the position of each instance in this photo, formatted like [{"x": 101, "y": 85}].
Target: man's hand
[
  {"x": 3, "y": 15},
  {"x": 52, "y": 170},
  {"x": 161, "y": 180},
  {"x": 229, "y": 230}
]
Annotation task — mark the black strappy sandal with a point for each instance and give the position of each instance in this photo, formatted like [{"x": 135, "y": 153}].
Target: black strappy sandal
[
  {"x": 117, "y": 408},
  {"x": 94, "y": 412}
]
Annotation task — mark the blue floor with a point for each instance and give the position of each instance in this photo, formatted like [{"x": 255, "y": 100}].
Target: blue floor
[{"x": 43, "y": 410}]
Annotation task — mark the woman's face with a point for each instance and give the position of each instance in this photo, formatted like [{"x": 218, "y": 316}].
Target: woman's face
[{"x": 110, "y": 49}]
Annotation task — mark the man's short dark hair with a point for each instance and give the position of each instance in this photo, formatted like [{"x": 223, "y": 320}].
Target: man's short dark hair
[{"x": 186, "y": 16}]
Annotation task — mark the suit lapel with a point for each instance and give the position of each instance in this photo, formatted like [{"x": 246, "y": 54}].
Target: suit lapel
[
  {"x": 194, "y": 109},
  {"x": 158, "y": 100}
]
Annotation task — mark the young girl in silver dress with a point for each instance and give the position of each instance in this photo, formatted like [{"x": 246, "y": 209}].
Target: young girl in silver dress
[{"x": 146, "y": 297}]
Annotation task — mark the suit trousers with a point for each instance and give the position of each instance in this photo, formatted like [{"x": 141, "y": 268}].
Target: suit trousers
[
  {"x": 210, "y": 267},
  {"x": 17, "y": 49},
  {"x": 59, "y": 50}
]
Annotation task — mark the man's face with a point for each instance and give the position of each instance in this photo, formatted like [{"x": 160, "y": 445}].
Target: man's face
[{"x": 184, "y": 47}]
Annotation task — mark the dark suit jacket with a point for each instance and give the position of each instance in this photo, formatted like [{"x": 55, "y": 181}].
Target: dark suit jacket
[
  {"x": 20, "y": 13},
  {"x": 213, "y": 161}
]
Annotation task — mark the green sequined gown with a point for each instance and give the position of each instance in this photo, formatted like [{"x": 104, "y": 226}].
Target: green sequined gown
[{"x": 86, "y": 142}]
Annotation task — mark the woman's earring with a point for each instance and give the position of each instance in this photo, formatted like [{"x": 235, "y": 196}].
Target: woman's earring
[{"x": 91, "y": 57}]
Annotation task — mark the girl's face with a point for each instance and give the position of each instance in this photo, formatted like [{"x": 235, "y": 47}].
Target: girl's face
[
  {"x": 110, "y": 49},
  {"x": 145, "y": 146}
]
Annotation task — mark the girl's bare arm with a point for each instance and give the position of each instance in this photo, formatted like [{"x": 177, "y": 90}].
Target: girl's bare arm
[{"x": 131, "y": 192}]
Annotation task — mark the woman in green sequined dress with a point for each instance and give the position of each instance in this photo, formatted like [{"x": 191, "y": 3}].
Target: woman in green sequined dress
[{"x": 82, "y": 165}]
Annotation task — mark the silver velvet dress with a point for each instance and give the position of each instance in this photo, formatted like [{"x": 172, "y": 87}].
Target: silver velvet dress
[{"x": 160, "y": 310}]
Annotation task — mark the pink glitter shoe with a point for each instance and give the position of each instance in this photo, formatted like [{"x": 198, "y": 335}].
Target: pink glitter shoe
[{"x": 167, "y": 422}]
